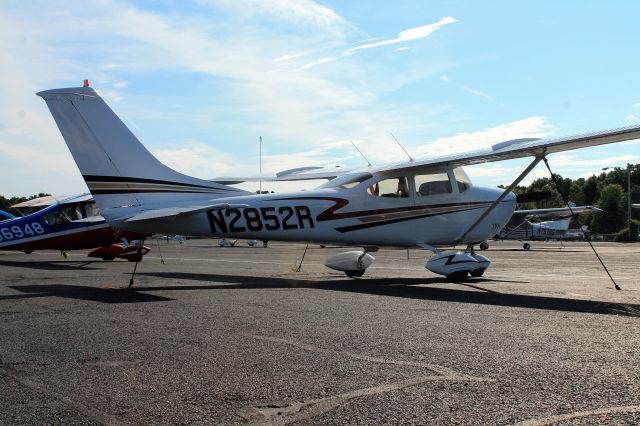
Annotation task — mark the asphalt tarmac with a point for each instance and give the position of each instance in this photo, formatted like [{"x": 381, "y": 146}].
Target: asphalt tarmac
[{"x": 234, "y": 336}]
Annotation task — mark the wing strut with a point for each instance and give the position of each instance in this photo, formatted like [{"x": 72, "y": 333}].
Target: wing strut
[
  {"x": 500, "y": 198},
  {"x": 565, "y": 198}
]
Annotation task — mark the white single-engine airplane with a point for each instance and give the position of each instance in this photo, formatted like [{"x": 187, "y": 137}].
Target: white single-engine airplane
[
  {"x": 426, "y": 203},
  {"x": 520, "y": 228}
]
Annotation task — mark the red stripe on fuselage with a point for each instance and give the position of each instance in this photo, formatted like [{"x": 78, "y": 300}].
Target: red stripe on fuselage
[{"x": 76, "y": 241}]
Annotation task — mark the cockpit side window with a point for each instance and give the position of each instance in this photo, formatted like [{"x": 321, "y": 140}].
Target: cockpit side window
[
  {"x": 433, "y": 184},
  {"x": 395, "y": 187},
  {"x": 91, "y": 210},
  {"x": 462, "y": 179},
  {"x": 58, "y": 217}
]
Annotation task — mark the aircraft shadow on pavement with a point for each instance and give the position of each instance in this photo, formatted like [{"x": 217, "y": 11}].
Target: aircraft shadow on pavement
[
  {"x": 544, "y": 250},
  {"x": 49, "y": 265},
  {"x": 400, "y": 287},
  {"x": 80, "y": 292}
]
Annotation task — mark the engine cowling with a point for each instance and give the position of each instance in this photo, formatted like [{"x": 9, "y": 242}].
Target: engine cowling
[{"x": 349, "y": 261}]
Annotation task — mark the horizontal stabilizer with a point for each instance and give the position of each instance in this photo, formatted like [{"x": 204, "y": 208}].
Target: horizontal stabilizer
[{"x": 168, "y": 212}]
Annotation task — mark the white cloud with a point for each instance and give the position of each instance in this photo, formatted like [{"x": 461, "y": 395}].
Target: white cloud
[
  {"x": 39, "y": 49},
  {"x": 574, "y": 162},
  {"x": 636, "y": 105},
  {"x": 477, "y": 93},
  {"x": 402, "y": 49},
  {"x": 408, "y": 35},
  {"x": 632, "y": 117},
  {"x": 196, "y": 159},
  {"x": 303, "y": 13},
  {"x": 317, "y": 62},
  {"x": 404, "y": 36},
  {"x": 288, "y": 57},
  {"x": 532, "y": 127}
]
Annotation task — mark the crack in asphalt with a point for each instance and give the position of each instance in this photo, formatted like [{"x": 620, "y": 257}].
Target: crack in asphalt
[{"x": 302, "y": 410}]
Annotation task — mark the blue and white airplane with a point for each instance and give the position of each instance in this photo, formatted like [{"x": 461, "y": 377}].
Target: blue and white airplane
[
  {"x": 67, "y": 223},
  {"x": 417, "y": 203}
]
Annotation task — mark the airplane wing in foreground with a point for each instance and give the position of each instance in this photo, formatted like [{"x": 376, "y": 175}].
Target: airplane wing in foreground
[
  {"x": 556, "y": 211},
  {"x": 519, "y": 148}
]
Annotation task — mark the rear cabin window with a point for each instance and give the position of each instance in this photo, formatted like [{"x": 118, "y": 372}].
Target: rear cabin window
[
  {"x": 393, "y": 188},
  {"x": 433, "y": 184}
]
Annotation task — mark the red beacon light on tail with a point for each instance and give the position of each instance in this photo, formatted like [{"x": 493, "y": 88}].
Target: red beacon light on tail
[{"x": 86, "y": 82}]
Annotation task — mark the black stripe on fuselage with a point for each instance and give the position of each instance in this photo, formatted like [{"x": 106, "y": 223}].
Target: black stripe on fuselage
[{"x": 106, "y": 179}]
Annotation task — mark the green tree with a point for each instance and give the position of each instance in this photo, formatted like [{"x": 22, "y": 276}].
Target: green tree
[
  {"x": 612, "y": 201},
  {"x": 590, "y": 190}
]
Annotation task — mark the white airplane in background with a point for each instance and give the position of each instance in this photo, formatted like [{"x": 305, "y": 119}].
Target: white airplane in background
[
  {"x": 426, "y": 203},
  {"x": 520, "y": 228}
]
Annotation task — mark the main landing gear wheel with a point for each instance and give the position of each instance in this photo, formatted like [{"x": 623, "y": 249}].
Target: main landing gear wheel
[
  {"x": 355, "y": 273},
  {"x": 484, "y": 245},
  {"x": 478, "y": 272},
  {"x": 456, "y": 277},
  {"x": 526, "y": 246}
]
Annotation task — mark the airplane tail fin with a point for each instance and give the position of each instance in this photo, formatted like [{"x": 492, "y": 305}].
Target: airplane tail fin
[{"x": 118, "y": 169}]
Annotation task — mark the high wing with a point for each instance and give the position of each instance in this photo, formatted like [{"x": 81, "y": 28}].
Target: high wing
[
  {"x": 299, "y": 173},
  {"x": 519, "y": 148},
  {"x": 507, "y": 150},
  {"x": 54, "y": 199},
  {"x": 556, "y": 211}
]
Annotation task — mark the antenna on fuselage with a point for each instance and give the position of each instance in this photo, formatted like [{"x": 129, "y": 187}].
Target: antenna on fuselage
[
  {"x": 365, "y": 158},
  {"x": 411, "y": 159}
]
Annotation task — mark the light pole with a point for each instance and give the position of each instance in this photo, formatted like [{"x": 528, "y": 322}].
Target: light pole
[
  {"x": 628, "y": 197},
  {"x": 260, "y": 190}
]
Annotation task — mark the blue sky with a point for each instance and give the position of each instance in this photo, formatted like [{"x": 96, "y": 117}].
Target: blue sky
[{"x": 199, "y": 82}]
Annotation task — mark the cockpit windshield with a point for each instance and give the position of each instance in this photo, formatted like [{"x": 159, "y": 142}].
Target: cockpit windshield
[
  {"x": 347, "y": 181},
  {"x": 462, "y": 179}
]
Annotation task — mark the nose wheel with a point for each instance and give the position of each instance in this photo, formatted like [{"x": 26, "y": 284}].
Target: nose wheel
[
  {"x": 357, "y": 273},
  {"x": 458, "y": 276}
]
